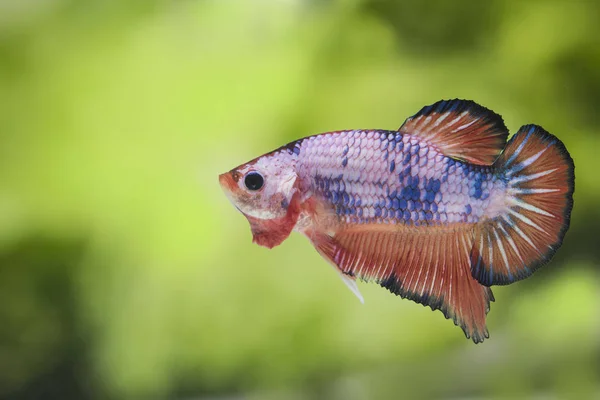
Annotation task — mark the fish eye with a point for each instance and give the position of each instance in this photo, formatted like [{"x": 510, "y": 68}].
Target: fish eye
[{"x": 254, "y": 181}]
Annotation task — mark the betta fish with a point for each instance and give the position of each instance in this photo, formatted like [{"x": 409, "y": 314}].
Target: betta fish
[{"x": 437, "y": 211}]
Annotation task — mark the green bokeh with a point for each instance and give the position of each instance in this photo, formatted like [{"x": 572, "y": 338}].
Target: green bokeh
[{"x": 124, "y": 271}]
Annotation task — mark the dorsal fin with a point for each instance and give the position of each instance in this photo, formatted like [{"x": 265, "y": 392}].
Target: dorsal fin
[{"x": 461, "y": 129}]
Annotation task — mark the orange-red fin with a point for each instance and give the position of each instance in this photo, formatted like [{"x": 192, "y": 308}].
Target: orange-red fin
[
  {"x": 461, "y": 129},
  {"x": 428, "y": 266},
  {"x": 539, "y": 175}
]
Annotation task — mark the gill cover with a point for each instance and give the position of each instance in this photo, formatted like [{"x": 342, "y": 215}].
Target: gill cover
[{"x": 284, "y": 206}]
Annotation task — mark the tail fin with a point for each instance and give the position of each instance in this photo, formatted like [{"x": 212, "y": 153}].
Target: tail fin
[{"x": 539, "y": 176}]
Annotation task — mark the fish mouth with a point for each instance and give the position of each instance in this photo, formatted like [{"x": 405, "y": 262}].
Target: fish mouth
[
  {"x": 227, "y": 182},
  {"x": 230, "y": 186}
]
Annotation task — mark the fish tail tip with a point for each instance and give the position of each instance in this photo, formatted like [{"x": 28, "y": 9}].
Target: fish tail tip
[{"x": 539, "y": 176}]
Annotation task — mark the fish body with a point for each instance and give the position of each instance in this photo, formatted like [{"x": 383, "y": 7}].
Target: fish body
[
  {"x": 387, "y": 177},
  {"x": 436, "y": 211}
]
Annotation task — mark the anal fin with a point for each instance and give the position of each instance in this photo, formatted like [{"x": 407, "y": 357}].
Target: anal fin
[
  {"x": 426, "y": 265},
  {"x": 326, "y": 248}
]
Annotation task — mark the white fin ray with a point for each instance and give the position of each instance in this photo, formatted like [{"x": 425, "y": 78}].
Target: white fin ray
[
  {"x": 517, "y": 191},
  {"x": 351, "y": 284},
  {"x": 525, "y": 178},
  {"x": 518, "y": 202},
  {"x": 502, "y": 251},
  {"x": 527, "y": 221},
  {"x": 511, "y": 242},
  {"x": 526, "y": 163}
]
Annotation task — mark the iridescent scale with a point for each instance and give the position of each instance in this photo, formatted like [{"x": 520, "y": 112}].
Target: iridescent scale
[{"x": 374, "y": 176}]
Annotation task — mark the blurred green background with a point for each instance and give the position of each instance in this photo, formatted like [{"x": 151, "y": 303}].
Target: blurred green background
[{"x": 126, "y": 274}]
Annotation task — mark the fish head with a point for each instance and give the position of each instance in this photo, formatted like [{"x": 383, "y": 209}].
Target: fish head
[{"x": 265, "y": 191}]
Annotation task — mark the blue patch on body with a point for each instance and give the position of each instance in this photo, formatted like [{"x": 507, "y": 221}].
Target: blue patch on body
[
  {"x": 406, "y": 159},
  {"x": 345, "y": 198},
  {"x": 404, "y": 174},
  {"x": 402, "y": 203},
  {"x": 416, "y": 194},
  {"x": 335, "y": 197},
  {"x": 407, "y": 192},
  {"x": 476, "y": 191},
  {"x": 432, "y": 187},
  {"x": 414, "y": 150}
]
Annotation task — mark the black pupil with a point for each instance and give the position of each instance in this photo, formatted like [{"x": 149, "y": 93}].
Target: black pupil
[{"x": 254, "y": 181}]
